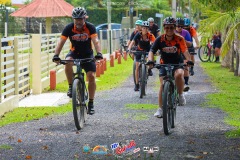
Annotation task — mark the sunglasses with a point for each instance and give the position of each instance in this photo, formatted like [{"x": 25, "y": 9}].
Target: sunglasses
[
  {"x": 171, "y": 28},
  {"x": 180, "y": 26}
]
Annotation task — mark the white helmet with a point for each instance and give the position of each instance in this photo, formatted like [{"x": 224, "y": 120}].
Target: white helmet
[{"x": 150, "y": 19}]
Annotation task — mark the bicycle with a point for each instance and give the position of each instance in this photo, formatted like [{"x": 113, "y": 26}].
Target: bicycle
[
  {"x": 142, "y": 72},
  {"x": 122, "y": 44},
  {"x": 206, "y": 53},
  {"x": 169, "y": 96},
  {"x": 79, "y": 92}
]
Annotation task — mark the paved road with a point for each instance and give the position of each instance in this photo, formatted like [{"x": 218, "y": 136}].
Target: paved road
[{"x": 199, "y": 132}]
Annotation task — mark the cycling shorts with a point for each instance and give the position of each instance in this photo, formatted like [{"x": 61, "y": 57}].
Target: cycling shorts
[
  {"x": 138, "y": 57},
  {"x": 163, "y": 72},
  {"x": 217, "y": 44},
  {"x": 89, "y": 66}
]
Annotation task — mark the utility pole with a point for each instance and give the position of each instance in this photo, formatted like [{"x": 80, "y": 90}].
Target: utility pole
[
  {"x": 131, "y": 13},
  {"x": 174, "y": 8},
  {"x": 189, "y": 10},
  {"x": 109, "y": 33}
]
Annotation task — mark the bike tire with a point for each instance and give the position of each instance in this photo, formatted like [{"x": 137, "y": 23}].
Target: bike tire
[
  {"x": 78, "y": 108},
  {"x": 134, "y": 69},
  {"x": 174, "y": 107},
  {"x": 212, "y": 56},
  {"x": 140, "y": 80},
  {"x": 203, "y": 53},
  {"x": 167, "y": 113}
]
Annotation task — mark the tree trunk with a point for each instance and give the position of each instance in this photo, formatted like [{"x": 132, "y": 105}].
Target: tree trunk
[{"x": 232, "y": 58}]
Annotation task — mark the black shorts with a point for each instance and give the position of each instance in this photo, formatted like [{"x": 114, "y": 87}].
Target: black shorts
[
  {"x": 163, "y": 72},
  {"x": 88, "y": 66},
  {"x": 217, "y": 44},
  {"x": 138, "y": 57},
  {"x": 191, "y": 50}
]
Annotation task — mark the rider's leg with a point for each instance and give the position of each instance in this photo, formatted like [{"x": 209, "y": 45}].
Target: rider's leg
[
  {"x": 217, "y": 53},
  {"x": 179, "y": 80},
  {"x": 136, "y": 88},
  {"x": 91, "y": 84},
  {"x": 186, "y": 78},
  {"x": 159, "y": 110},
  {"x": 69, "y": 75}
]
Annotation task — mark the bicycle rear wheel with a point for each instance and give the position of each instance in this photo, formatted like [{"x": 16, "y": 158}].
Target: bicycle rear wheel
[
  {"x": 142, "y": 72},
  {"x": 167, "y": 105},
  {"x": 203, "y": 53},
  {"x": 78, "y": 107}
]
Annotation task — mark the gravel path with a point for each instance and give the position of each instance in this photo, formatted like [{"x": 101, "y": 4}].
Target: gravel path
[{"x": 199, "y": 132}]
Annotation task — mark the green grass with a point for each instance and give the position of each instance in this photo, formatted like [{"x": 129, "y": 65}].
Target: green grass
[
  {"x": 113, "y": 77},
  {"x": 6, "y": 147},
  {"x": 139, "y": 108},
  {"x": 228, "y": 97}
]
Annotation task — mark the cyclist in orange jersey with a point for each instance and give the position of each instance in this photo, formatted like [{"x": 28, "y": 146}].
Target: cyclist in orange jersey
[
  {"x": 80, "y": 33},
  {"x": 194, "y": 36},
  {"x": 171, "y": 45}
]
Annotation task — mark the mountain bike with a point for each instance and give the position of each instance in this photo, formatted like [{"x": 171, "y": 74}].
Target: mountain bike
[
  {"x": 206, "y": 53},
  {"x": 79, "y": 92},
  {"x": 170, "y": 98},
  {"x": 142, "y": 72}
]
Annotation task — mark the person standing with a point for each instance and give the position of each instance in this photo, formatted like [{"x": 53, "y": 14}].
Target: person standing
[{"x": 217, "y": 44}]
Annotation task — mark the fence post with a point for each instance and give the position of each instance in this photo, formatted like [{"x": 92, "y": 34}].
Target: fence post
[
  {"x": 111, "y": 60},
  {"x": 97, "y": 69},
  {"x": 119, "y": 56},
  {"x": 36, "y": 64},
  {"x": 101, "y": 67},
  {"x": 16, "y": 66},
  {"x": 125, "y": 55},
  {"x": 53, "y": 80},
  {"x": 104, "y": 64}
]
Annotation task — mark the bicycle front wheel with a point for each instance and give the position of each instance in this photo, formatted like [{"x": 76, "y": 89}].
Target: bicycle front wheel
[
  {"x": 167, "y": 108},
  {"x": 204, "y": 53},
  {"x": 78, "y": 107},
  {"x": 142, "y": 73},
  {"x": 134, "y": 69},
  {"x": 212, "y": 55}
]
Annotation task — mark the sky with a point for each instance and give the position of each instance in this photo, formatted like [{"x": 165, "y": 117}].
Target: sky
[{"x": 18, "y": 1}]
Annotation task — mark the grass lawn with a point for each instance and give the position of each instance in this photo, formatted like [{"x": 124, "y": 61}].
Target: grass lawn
[{"x": 228, "y": 97}]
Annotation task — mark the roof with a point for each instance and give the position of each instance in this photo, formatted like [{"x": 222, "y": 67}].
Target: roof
[{"x": 45, "y": 8}]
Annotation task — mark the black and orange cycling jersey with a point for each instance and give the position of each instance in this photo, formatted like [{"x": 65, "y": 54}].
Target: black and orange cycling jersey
[
  {"x": 192, "y": 31},
  {"x": 170, "y": 50},
  {"x": 80, "y": 40},
  {"x": 144, "y": 44}
]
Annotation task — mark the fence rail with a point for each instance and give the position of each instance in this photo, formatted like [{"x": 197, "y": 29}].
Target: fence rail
[{"x": 26, "y": 62}]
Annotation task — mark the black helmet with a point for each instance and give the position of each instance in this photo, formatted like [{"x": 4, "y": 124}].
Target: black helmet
[
  {"x": 169, "y": 20},
  {"x": 145, "y": 24},
  {"x": 180, "y": 21},
  {"x": 79, "y": 12}
]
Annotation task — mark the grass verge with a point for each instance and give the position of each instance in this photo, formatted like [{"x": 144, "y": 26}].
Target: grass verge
[
  {"x": 228, "y": 97},
  {"x": 112, "y": 77}
]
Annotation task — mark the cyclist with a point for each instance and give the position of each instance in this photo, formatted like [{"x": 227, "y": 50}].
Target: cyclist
[
  {"x": 153, "y": 27},
  {"x": 193, "y": 34},
  {"x": 171, "y": 46},
  {"x": 144, "y": 39},
  {"x": 80, "y": 34},
  {"x": 188, "y": 40},
  {"x": 217, "y": 44},
  {"x": 138, "y": 24},
  {"x": 137, "y": 29}
]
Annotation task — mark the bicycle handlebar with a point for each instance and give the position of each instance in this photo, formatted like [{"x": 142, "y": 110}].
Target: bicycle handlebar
[
  {"x": 158, "y": 66},
  {"x": 77, "y": 61},
  {"x": 138, "y": 52}
]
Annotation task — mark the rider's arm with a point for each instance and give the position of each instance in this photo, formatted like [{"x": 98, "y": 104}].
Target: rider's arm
[
  {"x": 154, "y": 48},
  {"x": 130, "y": 45},
  {"x": 184, "y": 50},
  {"x": 96, "y": 43},
  {"x": 194, "y": 35},
  {"x": 188, "y": 39},
  {"x": 60, "y": 45}
]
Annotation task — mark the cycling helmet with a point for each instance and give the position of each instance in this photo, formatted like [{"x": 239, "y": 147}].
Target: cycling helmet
[
  {"x": 79, "y": 12},
  {"x": 186, "y": 22},
  {"x": 180, "y": 21},
  {"x": 169, "y": 20},
  {"x": 145, "y": 24},
  {"x": 138, "y": 22},
  {"x": 150, "y": 19}
]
